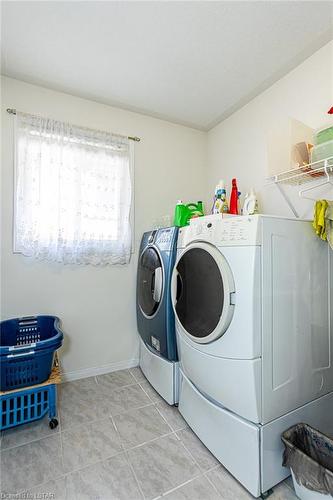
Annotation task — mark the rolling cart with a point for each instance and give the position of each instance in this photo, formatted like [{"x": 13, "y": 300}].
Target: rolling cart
[
  {"x": 29, "y": 369},
  {"x": 21, "y": 406}
]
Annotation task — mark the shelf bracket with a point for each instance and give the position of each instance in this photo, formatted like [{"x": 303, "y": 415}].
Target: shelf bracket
[
  {"x": 287, "y": 200},
  {"x": 299, "y": 175}
]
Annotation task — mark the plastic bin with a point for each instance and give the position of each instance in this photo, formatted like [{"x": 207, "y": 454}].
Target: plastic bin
[
  {"x": 309, "y": 454},
  {"x": 27, "y": 347},
  {"x": 322, "y": 151},
  {"x": 324, "y": 135}
]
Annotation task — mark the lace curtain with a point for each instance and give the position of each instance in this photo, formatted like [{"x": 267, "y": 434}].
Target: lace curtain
[{"x": 73, "y": 193}]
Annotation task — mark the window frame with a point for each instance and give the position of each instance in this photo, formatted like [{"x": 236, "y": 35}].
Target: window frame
[{"x": 15, "y": 249}]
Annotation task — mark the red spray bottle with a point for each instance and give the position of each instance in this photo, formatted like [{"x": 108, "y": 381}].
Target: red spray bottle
[{"x": 234, "y": 198}]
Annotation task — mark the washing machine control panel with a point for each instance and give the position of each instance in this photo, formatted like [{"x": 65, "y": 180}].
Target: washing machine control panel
[
  {"x": 231, "y": 231},
  {"x": 238, "y": 231},
  {"x": 164, "y": 238}
]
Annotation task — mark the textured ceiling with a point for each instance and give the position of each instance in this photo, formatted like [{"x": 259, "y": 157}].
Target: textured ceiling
[{"x": 188, "y": 62}]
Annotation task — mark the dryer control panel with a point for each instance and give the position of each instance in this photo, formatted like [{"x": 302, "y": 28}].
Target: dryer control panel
[
  {"x": 165, "y": 238},
  {"x": 230, "y": 231}
]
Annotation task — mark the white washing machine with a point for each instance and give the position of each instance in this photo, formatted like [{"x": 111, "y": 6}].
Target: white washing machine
[{"x": 252, "y": 299}]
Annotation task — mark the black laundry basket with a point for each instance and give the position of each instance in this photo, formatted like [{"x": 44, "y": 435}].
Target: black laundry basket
[{"x": 309, "y": 454}]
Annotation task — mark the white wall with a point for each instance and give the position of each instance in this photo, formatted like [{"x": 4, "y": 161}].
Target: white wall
[
  {"x": 238, "y": 146},
  {"x": 97, "y": 305}
]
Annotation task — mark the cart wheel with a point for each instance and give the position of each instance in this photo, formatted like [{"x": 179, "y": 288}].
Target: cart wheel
[{"x": 53, "y": 423}]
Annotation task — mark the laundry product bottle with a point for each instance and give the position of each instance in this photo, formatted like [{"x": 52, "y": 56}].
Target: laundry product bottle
[
  {"x": 183, "y": 213},
  {"x": 225, "y": 206},
  {"x": 220, "y": 199},
  {"x": 217, "y": 198},
  {"x": 194, "y": 210},
  {"x": 180, "y": 214},
  {"x": 250, "y": 206},
  {"x": 234, "y": 198},
  {"x": 217, "y": 204}
]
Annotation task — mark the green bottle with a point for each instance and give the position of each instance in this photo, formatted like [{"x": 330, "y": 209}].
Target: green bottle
[
  {"x": 183, "y": 213},
  {"x": 180, "y": 214}
]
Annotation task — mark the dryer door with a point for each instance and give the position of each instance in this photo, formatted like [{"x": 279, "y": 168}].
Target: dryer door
[
  {"x": 150, "y": 281},
  {"x": 202, "y": 292}
]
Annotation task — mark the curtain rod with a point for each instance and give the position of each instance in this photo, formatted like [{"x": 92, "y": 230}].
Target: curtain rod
[{"x": 12, "y": 111}]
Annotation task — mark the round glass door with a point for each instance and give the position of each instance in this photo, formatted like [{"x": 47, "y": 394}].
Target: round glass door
[
  {"x": 202, "y": 284},
  {"x": 150, "y": 281}
]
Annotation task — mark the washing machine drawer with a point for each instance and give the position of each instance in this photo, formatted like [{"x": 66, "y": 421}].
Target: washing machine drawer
[
  {"x": 233, "y": 383},
  {"x": 161, "y": 373},
  {"x": 232, "y": 440}
]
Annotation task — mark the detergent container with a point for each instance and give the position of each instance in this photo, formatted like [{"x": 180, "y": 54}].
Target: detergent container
[
  {"x": 183, "y": 213},
  {"x": 250, "y": 206},
  {"x": 220, "y": 205}
]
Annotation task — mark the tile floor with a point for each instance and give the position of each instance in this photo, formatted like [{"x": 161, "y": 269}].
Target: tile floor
[{"x": 117, "y": 439}]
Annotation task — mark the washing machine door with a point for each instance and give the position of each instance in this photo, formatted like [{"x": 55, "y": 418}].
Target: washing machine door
[
  {"x": 150, "y": 281},
  {"x": 203, "y": 292}
]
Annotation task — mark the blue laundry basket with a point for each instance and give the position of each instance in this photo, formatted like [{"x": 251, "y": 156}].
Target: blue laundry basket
[{"x": 27, "y": 347}]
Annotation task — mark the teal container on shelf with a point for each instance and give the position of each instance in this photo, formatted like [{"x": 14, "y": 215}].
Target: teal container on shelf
[
  {"x": 322, "y": 151},
  {"x": 324, "y": 135}
]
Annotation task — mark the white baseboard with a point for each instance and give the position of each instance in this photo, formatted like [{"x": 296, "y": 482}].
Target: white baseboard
[{"x": 99, "y": 370}]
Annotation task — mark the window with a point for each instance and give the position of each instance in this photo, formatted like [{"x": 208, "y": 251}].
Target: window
[{"x": 73, "y": 193}]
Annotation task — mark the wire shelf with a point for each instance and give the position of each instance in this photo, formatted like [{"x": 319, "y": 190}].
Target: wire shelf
[{"x": 304, "y": 173}]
